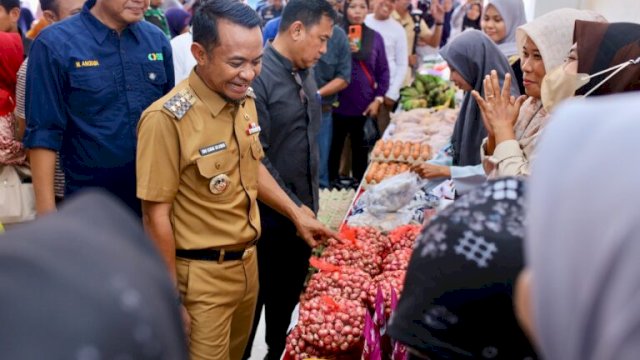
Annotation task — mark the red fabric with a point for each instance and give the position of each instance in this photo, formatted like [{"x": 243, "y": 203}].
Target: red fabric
[{"x": 11, "y": 56}]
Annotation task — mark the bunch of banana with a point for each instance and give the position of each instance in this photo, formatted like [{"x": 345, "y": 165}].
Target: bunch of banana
[{"x": 427, "y": 91}]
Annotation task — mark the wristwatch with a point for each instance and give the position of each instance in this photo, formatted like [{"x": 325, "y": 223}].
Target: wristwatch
[{"x": 380, "y": 99}]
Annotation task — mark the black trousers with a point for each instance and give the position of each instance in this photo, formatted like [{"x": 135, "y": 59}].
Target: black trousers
[
  {"x": 343, "y": 126},
  {"x": 283, "y": 264}
]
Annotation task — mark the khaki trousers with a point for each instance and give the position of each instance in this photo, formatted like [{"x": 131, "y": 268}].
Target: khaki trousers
[{"x": 221, "y": 300}]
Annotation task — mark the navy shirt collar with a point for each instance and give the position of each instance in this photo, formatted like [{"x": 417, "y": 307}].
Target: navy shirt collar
[{"x": 99, "y": 30}]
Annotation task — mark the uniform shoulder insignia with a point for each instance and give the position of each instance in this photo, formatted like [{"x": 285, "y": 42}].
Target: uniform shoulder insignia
[
  {"x": 251, "y": 93},
  {"x": 180, "y": 103}
]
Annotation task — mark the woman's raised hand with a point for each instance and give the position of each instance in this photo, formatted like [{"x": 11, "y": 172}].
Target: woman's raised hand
[{"x": 498, "y": 107}]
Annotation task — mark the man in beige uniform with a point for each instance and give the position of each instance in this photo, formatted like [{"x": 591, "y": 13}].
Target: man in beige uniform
[{"x": 199, "y": 176}]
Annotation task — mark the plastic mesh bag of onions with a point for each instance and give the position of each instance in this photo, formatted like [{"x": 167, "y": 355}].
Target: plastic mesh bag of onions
[
  {"x": 397, "y": 260},
  {"x": 404, "y": 237},
  {"x": 337, "y": 281},
  {"x": 327, "y": 326},
  {"x": 386, "y": 281},
  {"x": 361, "y": 248}
]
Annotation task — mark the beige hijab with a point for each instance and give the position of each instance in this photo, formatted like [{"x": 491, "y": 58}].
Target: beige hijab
[{"x": 553, "y": 35}]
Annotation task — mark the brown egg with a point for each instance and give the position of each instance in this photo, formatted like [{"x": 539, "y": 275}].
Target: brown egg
[{"x": 396, "y": 152}]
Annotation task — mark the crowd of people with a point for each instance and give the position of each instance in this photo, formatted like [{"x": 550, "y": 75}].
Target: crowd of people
[{"x": 215, "y": 124}]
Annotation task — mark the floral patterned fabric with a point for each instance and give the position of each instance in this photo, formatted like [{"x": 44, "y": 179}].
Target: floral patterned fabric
[
  {"x": 11, "y": 150},
  {"x": 457, "y": 302}
]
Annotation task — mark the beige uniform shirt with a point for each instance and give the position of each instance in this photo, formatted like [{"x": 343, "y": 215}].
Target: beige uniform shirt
[{"x": 201, "y": 154}]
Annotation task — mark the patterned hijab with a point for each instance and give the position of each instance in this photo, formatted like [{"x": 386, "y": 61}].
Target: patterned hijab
[
  {"x": 86, "y": 283},
  {"x": 582, "y": 241},
  {"x": 458, "y": 291},
  {"x": 512, "y": 13},
  {"x": 601, "y": 46},
  {"x": 473, "y": 55}
]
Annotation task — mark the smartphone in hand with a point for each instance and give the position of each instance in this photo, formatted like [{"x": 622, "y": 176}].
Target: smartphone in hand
[{"x": 355, "y": 35}]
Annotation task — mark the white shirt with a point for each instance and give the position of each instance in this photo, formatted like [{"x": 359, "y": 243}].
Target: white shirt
[
  {"x": 395, "y": 45},
  {"x": 183, "y": 60}
]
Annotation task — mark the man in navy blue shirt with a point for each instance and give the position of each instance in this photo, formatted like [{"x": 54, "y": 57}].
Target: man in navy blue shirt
[{"x": 89, "y": 79}]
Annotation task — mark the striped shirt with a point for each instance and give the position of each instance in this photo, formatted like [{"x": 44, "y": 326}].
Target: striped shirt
[{"x": 21, "y": 84}]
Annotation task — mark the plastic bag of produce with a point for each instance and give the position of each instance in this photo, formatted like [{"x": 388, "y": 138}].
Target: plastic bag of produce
[
  {"x": 337, "y": 281},
  {"x": 397, "y": 260},
  {"x": 332, "y": 325},
  {"x": 404, "y": 237},
  {"x": 391, "y": 194},
  {"x": 386, "y": 281},
  {"x": 362, "y": 258},
  {"x": 370, "y": 132}
]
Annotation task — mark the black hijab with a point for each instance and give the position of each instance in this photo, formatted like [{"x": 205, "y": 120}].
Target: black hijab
[
  {"x": 86, "y": 283},
  {"x": 368, "y": 36},
  {"x": 458, "y": 291},
  {"x": 473, "y": 55}
]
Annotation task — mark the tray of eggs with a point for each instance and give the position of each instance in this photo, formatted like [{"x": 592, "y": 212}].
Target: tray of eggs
[
  {"x": 400, "y": 151},
  {"x": 380, "y": 170}
]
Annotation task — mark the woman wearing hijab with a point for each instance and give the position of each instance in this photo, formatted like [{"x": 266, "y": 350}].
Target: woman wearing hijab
[
  {"x": 178, "y": 20},
  {"x": 471, "y": 55},
  {"x": 513, "y": 125},
  {"x": 11, "y": 56},
  {"x": 500, "y": 20},
  {"x": 457, "y": 301},
  {"x": 605, "y": 59},
  {"x": 473, "y": 16},
  {"x": 465, "y": 16},
  {"x": 579, "y": 297},
  {"x": 365, "y": 93}
]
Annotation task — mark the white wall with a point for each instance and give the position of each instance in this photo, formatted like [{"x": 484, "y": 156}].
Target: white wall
[{"x": 613, "y": 10}]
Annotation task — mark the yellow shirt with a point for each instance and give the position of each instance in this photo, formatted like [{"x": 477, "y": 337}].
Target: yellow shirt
[{"x": 196, "y": 151}]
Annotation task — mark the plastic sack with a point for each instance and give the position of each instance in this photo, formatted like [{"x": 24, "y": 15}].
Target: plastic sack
[
  {"x": 391, "y": 194},
  {"x": 370, "y": 132}
]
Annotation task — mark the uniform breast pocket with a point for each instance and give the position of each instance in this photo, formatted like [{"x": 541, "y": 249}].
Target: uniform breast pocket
[
  {"x": 92, "y": 91},
  {"x": 154, "y": 80},
  {"x": 215, "y": 176}
]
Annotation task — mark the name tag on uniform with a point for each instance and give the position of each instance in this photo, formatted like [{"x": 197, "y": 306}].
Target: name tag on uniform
[
  {"x": 253, "y": 129},
  {"x": 213, "y": 148}
]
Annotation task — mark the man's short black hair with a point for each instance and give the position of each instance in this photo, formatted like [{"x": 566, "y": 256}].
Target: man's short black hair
[
  {"x": 309, "y": 12},
  {"x": 9, "y": 5},
  {"x": 205, "y": 20},
  {"x": 51, "y": 5}
]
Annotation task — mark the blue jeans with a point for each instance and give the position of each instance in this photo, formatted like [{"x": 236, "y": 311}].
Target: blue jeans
[{"x": 324, "y": 147}]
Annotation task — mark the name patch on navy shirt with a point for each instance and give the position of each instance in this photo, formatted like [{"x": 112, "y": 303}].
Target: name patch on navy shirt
[{"x": 213, "y": 148}]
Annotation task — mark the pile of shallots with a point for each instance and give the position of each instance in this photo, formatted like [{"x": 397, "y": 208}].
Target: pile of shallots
[{"x": 360, "y": 272}]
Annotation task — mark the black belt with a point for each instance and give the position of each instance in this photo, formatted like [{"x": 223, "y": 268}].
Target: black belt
[{"x": 210, "y": 254}]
